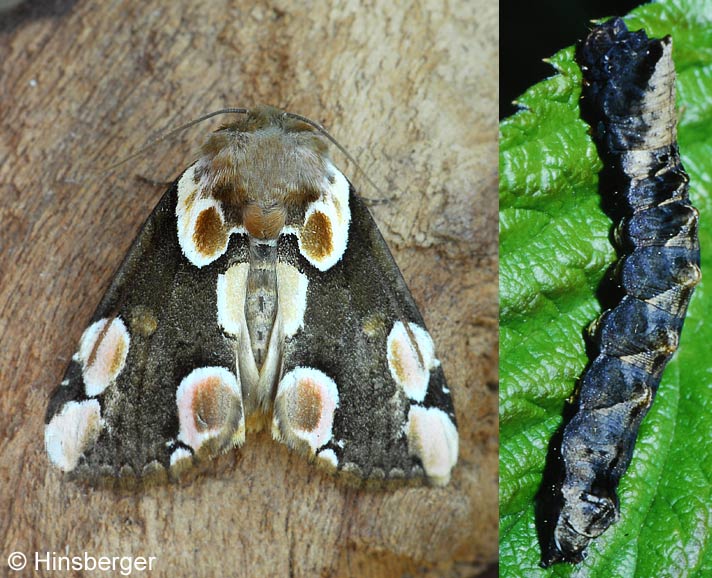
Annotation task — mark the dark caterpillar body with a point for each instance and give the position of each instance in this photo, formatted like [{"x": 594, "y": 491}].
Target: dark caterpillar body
[{"x": 629, "y": 100}]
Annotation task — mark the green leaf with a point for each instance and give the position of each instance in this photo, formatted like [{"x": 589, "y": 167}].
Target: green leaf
[{"x": 555, "y": 248}]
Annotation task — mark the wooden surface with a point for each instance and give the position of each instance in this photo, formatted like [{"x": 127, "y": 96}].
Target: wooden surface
[{"x": 412, "y": 95}]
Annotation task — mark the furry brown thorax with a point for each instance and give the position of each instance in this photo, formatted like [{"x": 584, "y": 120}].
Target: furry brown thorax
[{"x": 265, "y": 169}]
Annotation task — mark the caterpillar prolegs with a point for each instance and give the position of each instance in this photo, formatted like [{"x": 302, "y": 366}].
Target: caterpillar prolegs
[{"x": 628, "y": 98}]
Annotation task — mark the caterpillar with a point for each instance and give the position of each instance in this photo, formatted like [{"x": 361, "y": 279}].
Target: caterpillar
[{"x": 628, "y": 98}]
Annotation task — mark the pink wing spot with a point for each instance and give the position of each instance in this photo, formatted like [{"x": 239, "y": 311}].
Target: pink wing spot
[
  {"x": 324, "y": 235},
  {"x": 411, "y": 356},
  {"x": 432, "y": 436},
  {"x": 203, "y": 232},
  {"x": 209, "y": 403},
  {"x": 306, "y": 401},
  {"x": 72, "y": 431},
  {"x": 102, "y": 351}
]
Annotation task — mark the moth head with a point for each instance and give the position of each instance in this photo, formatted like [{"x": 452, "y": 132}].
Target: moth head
[
  {"x": 267, "y": 174},
  {"x": 265, "y": 169}
]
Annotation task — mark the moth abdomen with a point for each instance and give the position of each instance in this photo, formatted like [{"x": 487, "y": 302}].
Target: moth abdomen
[{"x": 261, "y": 297}]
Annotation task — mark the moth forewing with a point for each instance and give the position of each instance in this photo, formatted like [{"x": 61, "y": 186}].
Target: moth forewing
[{"x": 259, "y": 293}]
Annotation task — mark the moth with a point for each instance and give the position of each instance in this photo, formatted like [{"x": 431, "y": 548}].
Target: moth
[
  {"x": 629, "y": 100},
  {"x": 258, "y": 295}
]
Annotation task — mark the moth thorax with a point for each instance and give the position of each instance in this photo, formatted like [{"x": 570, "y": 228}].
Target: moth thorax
[
  {"x": 264, "y": 222},
  {"x": 261, "y": 297}
]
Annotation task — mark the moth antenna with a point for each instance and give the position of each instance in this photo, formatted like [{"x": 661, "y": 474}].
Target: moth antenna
[
  {"x": 231, "y": 110},
  {"x": 384, "y": 198},
  {"x": 173, "y": 132}
]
